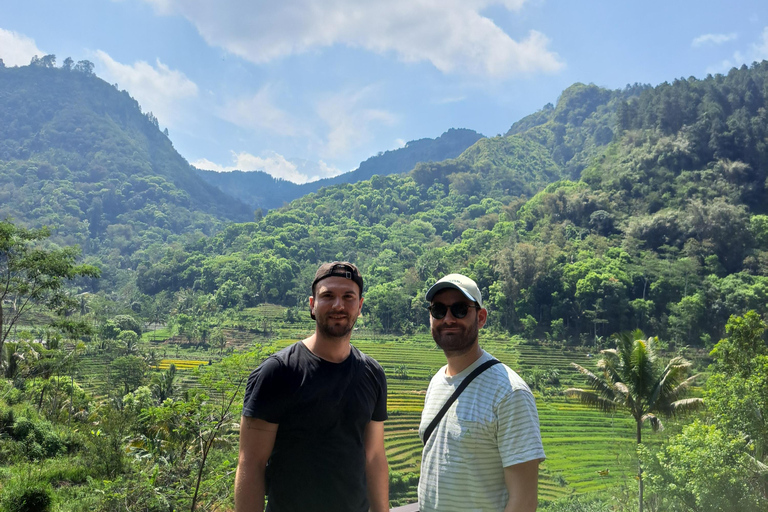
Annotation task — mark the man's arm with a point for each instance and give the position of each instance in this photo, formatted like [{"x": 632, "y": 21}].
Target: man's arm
[
  {"x": 522, "y": 481},
  {"x": 257, "y": 438},
  {"x": 376, "y": 468}
]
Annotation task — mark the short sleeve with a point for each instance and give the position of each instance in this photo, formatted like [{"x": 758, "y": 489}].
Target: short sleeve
[
  {"x": 264, "y": 392},
  {"x": 380, "y": 409},
  {"x": 518, "y": 434}
]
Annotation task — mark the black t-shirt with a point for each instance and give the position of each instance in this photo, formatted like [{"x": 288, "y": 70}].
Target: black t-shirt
[{"x": 322, "y": 408}]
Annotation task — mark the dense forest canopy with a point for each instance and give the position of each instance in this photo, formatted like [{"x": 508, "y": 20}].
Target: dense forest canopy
[
  {"x": 665, "y": 230},
  {"x": 636, "y": 208},
  {"x": 609, "y": 211}
]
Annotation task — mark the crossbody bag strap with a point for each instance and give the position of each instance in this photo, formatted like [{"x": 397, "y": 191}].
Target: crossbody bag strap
[{"x": 447, "y": 405}]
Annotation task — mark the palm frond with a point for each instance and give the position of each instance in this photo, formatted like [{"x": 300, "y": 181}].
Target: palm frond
[
  {"x": 591, "y": 399},
  {"x": 682, "y": 388},
  {"x": 655, "y": 422},
  {"x": 596, "y": 383},
  {"x": 685, "y": 406},
  {"x": 672, "y": 382},
  {"x": 759, "y": 466}
]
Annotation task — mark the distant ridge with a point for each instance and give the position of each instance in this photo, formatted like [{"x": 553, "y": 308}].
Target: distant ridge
[{"x": 260, "y": 190}]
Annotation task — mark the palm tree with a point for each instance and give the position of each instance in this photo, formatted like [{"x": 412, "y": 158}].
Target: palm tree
[
  {"x": 164, "y": 384},
  {"x": 632, "y": 379}
]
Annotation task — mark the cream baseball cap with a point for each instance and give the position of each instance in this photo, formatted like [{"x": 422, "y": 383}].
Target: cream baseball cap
[{"x": 460, "y": 282}]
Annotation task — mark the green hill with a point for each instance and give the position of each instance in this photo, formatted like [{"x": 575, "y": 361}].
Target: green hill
[
  {"x": 80, "y": 156},
  {"x": 665, "y": 230}
]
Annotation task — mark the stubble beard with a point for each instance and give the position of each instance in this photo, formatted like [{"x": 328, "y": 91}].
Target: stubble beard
[
  {"x": 335, "y": 328},
  {"x": 456, "y": 343}
]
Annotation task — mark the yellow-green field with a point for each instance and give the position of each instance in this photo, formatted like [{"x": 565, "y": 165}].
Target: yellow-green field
[{"x": 181, "y": 364}]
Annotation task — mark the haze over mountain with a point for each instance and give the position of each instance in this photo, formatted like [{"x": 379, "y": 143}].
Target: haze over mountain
[{"x": 260, "y": 190}]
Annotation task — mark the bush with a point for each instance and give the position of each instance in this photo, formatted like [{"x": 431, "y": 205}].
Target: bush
[
  {"x": 25, "y": 496},
  {"x": 22, "y": 428},
  {"x": 38, "y": 437},
  {"x": 7, "y": 419}
]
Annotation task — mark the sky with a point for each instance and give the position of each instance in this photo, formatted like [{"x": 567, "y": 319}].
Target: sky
[{"x": 308, "y": 89}]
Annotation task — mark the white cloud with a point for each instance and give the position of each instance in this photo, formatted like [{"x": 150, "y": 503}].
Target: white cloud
[
  {"x": 259, "y": 112},
  {"x": 274, "y": 164},
  {"x": 17, "y": 49},
  {"x": 451, "y": 34},
  {"x": 448, "y": 100},
  {"x": 756, "y": 52},
  {"x": 349, "y": 121},
  {"x": 713, "y": 39},
  {"x": 760, "y": 48},
  {"x": 158, "y": 89}
]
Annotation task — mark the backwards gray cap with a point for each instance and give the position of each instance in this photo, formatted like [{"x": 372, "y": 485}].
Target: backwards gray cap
[{"x": 459, "y": 282}]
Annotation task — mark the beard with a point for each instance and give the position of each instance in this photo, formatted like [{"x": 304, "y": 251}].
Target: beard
[
  {"x": 336, "y": 327},
  {"x": 456, "y": 342}
]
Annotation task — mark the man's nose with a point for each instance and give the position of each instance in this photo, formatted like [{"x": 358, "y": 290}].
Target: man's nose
[{"x": 449, "y": 318}]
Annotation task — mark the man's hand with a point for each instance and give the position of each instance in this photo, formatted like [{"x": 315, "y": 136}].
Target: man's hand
[{"x": 257, "y": 438}]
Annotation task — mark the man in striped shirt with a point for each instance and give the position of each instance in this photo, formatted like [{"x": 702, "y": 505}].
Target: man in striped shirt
[{"x": 484, "y": 454}]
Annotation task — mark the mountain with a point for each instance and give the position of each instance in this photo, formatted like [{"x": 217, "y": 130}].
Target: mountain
[
  {"x": 260, "y": 190},
  {"x": 645, "y": 207},
  {"x": 79, "y": 155}
]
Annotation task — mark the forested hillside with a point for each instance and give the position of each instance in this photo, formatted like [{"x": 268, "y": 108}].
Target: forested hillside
[
  {"x": 260, "y": 190},
  {"x": 612, "y": 210},
  {"x": 665, "y": 230},
  {"x": 79, "y": 155}
]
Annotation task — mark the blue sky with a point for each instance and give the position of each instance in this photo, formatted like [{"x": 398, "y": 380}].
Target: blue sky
[{"x": 305, "y": 89}]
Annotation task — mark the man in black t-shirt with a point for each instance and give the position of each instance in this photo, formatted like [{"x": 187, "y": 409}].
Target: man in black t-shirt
[{"x": 312, "y": 431}]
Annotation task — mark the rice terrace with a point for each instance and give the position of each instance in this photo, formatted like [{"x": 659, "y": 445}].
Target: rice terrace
[
  {"x": 586, "y": 451},
  {"x": 163, "y": 220}
]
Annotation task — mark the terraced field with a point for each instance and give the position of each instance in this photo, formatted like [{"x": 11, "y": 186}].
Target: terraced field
[{"x": 586, "y": 450}]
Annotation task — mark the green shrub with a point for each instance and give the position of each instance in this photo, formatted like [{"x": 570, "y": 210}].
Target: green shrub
[
  {"x": 579, "y": 504},
  {"x": 13, "y": 396},
  {"x": 22, "y": 428},
  {"x": 39, "y": 438},
  {"x": 7, "y": 419},
  {"x": 25, "y": 496}
]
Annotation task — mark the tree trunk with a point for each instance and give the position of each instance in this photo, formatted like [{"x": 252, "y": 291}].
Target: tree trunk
[
  {"x": 2, "y": 338},
  {"x": 206, "y": 448},
  {"x": 639, "y": 467}
]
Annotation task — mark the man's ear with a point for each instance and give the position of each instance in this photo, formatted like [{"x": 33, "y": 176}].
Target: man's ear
[
  {"x": 360, "y": 308},
  {"x": 311, "y": 304},
  {"x": 482, "y": 316}
]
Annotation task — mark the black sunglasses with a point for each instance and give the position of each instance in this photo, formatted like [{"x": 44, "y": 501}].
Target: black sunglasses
[{"x": 438, "y": 310}]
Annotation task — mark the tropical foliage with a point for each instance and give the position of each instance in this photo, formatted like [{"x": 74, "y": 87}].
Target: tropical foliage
[{"x": 632, "y": 379}]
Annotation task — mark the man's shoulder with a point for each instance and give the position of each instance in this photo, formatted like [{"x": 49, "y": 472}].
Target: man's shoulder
[
  {"x": 501, "y": 375},
  {"x": 280, "y": 360},
  {"x": 366, "y": 360}
]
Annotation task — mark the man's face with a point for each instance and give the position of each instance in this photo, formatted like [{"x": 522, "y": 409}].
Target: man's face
[
  {"x": 456, "y": 335},
  {"x": 336, "y": 306}
]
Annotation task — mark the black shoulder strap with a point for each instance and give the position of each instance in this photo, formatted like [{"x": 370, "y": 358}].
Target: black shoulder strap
[{"x": 477, "y": 371}]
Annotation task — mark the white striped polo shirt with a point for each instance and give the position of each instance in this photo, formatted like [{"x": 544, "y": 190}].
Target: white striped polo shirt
[{"x": 493, "y": 424}]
